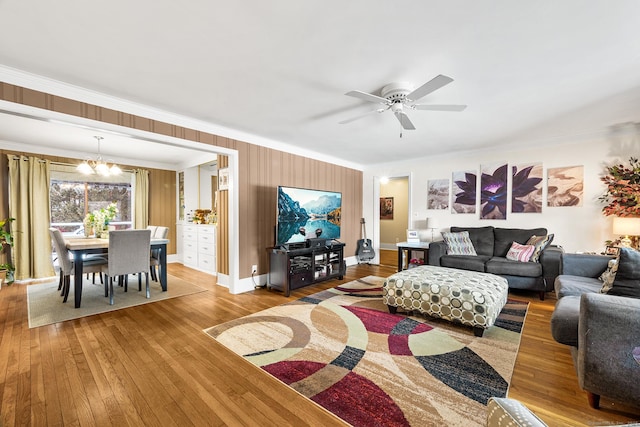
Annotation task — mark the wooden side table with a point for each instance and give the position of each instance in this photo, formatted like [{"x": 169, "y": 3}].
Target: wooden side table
[{"x": 409, "y": 247}]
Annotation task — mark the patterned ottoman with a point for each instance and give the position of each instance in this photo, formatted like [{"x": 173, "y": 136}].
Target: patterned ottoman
[{"x": 461, "y": 296}]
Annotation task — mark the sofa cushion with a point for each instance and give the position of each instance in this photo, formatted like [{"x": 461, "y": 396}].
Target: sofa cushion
[
  {"x": 566, "y": 285},
  {"x": 504, "y": 237},
  {"x": 627, "y": 281},
  {"x": 458, "y": 243},
  {"x": 609, "y": 276},
  {"x": 498, "y": 265},
  {"x": 519, "y": 252},
  {"x": 565, "y": 319},
  {"x": 540, "y": 243},
  {"x": 482, "y": 238},
  {"x": 464, "y": 262}
]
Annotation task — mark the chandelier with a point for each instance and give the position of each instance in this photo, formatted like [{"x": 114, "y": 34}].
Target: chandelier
[{"x": 98, "y": 166}]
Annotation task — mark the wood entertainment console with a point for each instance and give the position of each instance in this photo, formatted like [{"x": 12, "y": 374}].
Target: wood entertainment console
[{"x": 295, "y": 268}]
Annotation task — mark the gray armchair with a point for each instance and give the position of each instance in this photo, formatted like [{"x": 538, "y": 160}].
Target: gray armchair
[
  {"x": 608, "y": 336},
  {"x": 603, "y": 331}
]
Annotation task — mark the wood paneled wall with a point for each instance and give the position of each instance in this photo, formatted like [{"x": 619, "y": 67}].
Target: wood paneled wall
[
  {"x": 162, "y": 193},
  {"x": 261, "y": 170},
  {"x": 163, "y": 203},
  {"x": 222, "y": 243}
]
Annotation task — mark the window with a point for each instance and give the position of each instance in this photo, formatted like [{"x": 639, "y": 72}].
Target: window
[{"x": 73, "y": 195}]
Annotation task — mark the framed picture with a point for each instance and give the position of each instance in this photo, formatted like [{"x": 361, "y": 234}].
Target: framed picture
[
  {"x": 412, "y": 236},
  {"x": 386, "y": 207},
  {"x": 612, "y": 250},
  {"x": 223, "y": 179}
]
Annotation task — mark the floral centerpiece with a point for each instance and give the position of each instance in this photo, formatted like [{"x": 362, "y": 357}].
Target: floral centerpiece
[{"x": 98, "y": 221}]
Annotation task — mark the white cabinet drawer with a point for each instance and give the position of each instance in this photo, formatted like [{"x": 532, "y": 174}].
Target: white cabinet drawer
[
  {"x": 190, "y": 228},
  {"x": 207, "y": 262},
  {"x": 207, "y": 229},
  {"x": 190, "y": 246},
  {"x": 206, "y": 238},
  {"x": 206, "y": 248},
  {"x": 190, "y": 258},
  {"x": 187, "y": 235}
]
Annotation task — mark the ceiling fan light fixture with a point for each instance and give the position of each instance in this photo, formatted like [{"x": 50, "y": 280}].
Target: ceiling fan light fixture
[{"x": 400, "y": 97}]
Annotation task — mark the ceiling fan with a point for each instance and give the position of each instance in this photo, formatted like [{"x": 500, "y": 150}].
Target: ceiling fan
[{"x": 400, "y": 97}]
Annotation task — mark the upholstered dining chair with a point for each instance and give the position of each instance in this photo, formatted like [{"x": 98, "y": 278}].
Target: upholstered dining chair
[
  {"x": 157, "y": 232},
  {"x": 65, "y": 262},
  {"x": 128, "y": 254}
]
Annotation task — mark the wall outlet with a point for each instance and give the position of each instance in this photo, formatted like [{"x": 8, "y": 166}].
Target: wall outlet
[{"x": 254, "y": 269}]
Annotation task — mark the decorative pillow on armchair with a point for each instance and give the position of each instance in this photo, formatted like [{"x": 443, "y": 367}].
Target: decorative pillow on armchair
[
  {"x": 458, "y": 243},
  {"x": 609, "y": 275},
  {"x": 540, "y": 242},
  {"x": 520, "y": 252},
  {"x": 627, "y": 280}
]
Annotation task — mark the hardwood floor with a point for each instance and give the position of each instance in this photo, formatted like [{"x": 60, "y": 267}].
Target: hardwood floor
[{"x": 153, "y": 365}]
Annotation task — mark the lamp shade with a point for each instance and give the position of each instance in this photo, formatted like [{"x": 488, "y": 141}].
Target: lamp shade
[
  {"x": 432, "y": 223},
  {"x": 626, "y": 226}
]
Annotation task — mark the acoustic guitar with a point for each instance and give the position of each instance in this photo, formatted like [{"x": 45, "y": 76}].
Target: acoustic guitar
[{"x": 364, "y": 250}]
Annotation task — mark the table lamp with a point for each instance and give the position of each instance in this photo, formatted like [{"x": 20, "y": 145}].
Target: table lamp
[
  {"x": 626, "y": 226},
  {"x": 432, "y": 224}
]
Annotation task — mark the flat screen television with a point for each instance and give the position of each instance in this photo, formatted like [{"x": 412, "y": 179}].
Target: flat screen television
[{"x": 304, "y": 214}]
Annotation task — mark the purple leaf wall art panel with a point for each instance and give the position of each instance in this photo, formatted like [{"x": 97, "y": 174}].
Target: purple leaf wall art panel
[
  {"x": 464, "y": 192},
  {"x": 493, "y": 191},
  {"x": 565, "y": 186},
  {"x": 526, "y": 188},
  {"x": 438, "y": 194}
]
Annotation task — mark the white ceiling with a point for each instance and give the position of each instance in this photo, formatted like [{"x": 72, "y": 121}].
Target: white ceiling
[{"x": 543, "y": 72}]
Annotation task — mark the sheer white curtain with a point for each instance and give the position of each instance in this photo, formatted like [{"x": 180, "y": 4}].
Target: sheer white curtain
[
  {"x": 29, "y": 205},
  {"x": 141, "y": 202}
]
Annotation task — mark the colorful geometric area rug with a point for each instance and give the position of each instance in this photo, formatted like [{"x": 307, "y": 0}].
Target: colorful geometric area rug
[{"x": 342, "y": 349}]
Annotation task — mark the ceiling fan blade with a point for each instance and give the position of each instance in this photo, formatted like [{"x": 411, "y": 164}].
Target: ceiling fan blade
[
  {"x": 404, "y": 120},
  {"x": 378, "y": 110},
  {"x": 430, "y": 86},
  {"x": 435, "y": 107},
  {"x": 367, "y": 97}
]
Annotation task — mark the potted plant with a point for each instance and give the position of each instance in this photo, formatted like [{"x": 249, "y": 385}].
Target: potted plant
[
  {"x": 622, "y": 197},
  {"x": 6, "y": 240}
]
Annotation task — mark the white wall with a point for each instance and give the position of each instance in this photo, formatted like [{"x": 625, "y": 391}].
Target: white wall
[{"x": 576, "y": 228}]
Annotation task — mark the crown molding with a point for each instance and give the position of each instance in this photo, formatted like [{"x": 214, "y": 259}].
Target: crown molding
[{"x": 65, "y": 90}]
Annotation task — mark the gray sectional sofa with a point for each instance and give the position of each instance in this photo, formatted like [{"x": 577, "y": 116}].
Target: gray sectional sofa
[
  {"x": 491, "y": 245},
  {"x": 602, "y": 330}
]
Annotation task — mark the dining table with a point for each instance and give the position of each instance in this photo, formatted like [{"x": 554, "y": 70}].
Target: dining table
[{"x": 81, "y": 246}]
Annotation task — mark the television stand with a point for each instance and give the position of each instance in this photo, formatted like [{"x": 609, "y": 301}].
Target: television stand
[{"x": 295, "y": 268}]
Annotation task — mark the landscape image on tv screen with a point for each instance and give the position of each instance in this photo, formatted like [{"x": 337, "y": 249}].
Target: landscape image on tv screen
[{"x": 305, "y": 214}]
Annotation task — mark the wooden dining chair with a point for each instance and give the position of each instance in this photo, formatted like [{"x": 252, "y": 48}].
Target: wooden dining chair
[
  {"x": 158, "y": 232},
  {"x": 128, "y": 254},
  {"x": 65, "y": 262}
]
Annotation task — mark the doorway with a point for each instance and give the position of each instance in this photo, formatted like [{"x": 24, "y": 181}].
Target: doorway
[{"x": 395, "y": 209}]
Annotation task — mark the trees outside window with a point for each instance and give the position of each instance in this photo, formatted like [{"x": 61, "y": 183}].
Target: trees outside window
[{"x": 72, "y": 199}]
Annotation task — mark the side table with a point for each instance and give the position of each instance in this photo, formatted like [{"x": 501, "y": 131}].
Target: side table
[{"x": 409, "y": 247}]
